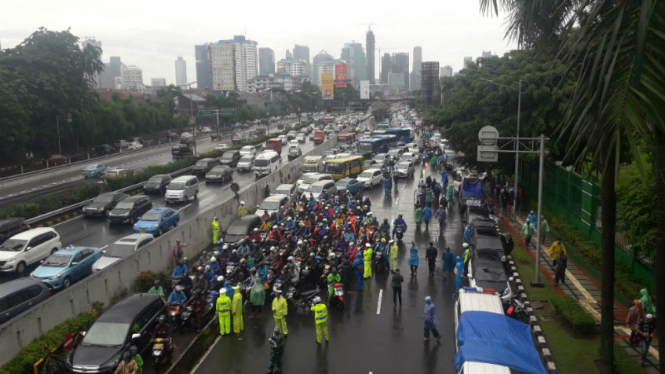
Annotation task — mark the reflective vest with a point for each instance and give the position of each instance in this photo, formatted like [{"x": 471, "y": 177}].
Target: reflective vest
[
  {"x": 320, "y": 313},
  {"x": 466, "y": 255},
  {"x": 224, "y": 305},
  {"x": 215, "y": 226}
]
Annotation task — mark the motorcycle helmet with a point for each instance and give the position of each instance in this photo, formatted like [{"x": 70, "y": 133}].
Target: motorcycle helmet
[
  {"x": 273, "y": 249},
  {"x": 290, "y": 219},
  {"x": 212, "y": 259},
  {"x": 179, "y": 288},
  {"x": 368, "y": 245},
  {"x": 162, "y": 319},
  {"x": 300, "y": 242},
  {"x": 316, "y": 300},
  {"x": 234, "y": 251},
  {"x": 242, "y": 203},
  {"x": 133, "y": 350},
  {"x": 226, "y": 247},
  {"x": 181, "y": 261},
  {"x": 383, "y": 240},
  {"x": 312, "y": 254},
  {"x": 220, "y": 279},
  {"x": 391, "y": 242},
  {"x": 274, "y": 227},
  {"x": 222, "y": 291},
  {"x": 291, "y": 259},
  {"x": 156, "y": 282},
  {"x": 256, "y": 230},
  {"x": 465, "y": 245},
  {"x": 215, "y": 254}
]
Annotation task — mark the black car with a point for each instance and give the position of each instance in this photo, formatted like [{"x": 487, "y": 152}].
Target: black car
[
  {"x": 157, "y": 184},
  {"x": 103, "y": 203},
  {"x": 294, "y": 153},
  {"x": 20, "y": 295},
  {"x": 129, "y": 322},
  {"x": 230, "y": 158},
  {"x": 240, "y": 228},
  {"x": 129, "y": 210},
  {"x": 480, "y": 211},
  {"x": 12, "y": 226},
  {"x": 103, "y": 149},
  {"x": 181, "y": 150},
  {"x": 203, "y": 166},
  {"x": 220, "y": 173}
]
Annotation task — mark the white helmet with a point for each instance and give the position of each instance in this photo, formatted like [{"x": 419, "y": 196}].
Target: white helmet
[
  {"x": 369, "y": 214},
  {"x": 291, "y": 258},
  {"x": 300, "y": 242},
  {"x": 220, "y": 278},
  {"x": 317, "y": 300},
  {"x": 256, "y": 230},
  {"x": 226, "y": 247},
  {"x": 207, "y": 268},
  {"x": 222, "y": 290},
  {"x": 274, "y": 227},
  {"x": 273, "y": 249},
  {"x": 465, "y": 245},
  {"x": 213, "y": 259},
  {"x": 242, "y": 203}
]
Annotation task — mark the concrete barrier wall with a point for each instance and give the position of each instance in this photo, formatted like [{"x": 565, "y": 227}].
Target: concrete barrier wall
[{"x": 155, "y": 257}]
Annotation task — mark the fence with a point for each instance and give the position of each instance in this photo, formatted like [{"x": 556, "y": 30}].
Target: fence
[{"x": 577, "y": 200}]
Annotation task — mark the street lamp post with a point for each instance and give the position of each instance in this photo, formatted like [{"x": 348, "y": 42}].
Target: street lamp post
[
  {"x": 191, "y": 109},
  {"x": 517, "y": 137}
]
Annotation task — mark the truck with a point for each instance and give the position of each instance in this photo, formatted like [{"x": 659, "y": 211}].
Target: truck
[
  {"x": 274, "y": 144},
  {"x": 319, "y": 137}
]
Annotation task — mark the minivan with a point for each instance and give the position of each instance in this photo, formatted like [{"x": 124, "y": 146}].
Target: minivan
[
  {"x": 27, "y": 248},
  {"x": 20, "y": 295},
  {"x": 182, "y": 189},
  {"x": 204, "y": 165},
  {"x": 266, "y": 163}
]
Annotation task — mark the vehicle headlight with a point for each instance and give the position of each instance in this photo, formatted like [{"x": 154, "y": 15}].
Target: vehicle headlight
[
  {"x": 155, "y": 226},
  {"x": 112, "y": 363},
  {"x": 54, "y": 277},
  {"x": 13, "y": 259}
]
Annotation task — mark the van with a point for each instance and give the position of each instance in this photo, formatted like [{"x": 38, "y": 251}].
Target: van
[
  {"x": 266, "y": 163},
  {"x": 312, "y": 164},
  {"x": 20, "y": 295},
  {"x": 182, "y": 189},
  {"x": 27, "y": 248},
  {"x": 472, "y": 299}
]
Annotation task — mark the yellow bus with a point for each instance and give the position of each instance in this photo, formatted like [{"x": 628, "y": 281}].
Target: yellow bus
[{"x": 348, "y": 166}]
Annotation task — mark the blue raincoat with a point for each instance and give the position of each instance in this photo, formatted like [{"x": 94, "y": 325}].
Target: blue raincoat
[
  {"x": 444, "y": 177},
  {"x": 467, "y": 234},
  {"x": 427, "y": 214},
  {"x": 533, "y": 219},
  {"x": 448, "y": 261},
  {"x": 430, "y": 320},
  {"x": 459, "y": 270},
  {"x": 413, "y": 256}
]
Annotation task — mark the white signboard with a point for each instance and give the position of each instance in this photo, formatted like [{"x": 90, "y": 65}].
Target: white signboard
[{"x": 364, "y": 90}]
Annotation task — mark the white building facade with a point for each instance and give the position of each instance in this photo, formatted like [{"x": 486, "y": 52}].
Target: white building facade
[
  {"x": 233, "y": 62},
  {"x": 180, "y": 71},
  {"x": 132, "y": 79},
  {"x": 292, "y": 66}
]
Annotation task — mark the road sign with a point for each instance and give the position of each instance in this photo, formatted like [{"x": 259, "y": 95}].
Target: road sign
[
  {"x": 227, "y": 112},
  {"x": 68, "y": 344},
  {"x": 488, "y": 148},
  {"x": 274, "y": 104},
  {"x": 205, "y": 113}
]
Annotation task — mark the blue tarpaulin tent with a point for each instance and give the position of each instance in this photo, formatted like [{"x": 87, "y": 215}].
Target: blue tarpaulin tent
[
  {"x": 496, "y": 339},
  {"x": 472, "y": 188}
]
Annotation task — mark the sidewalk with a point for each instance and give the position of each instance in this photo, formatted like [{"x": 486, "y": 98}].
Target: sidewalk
[{"x": 584, "y": 288}]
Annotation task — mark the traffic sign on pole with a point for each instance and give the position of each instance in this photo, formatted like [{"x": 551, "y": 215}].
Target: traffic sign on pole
[
  {"x": 488, "y": 148},
  {"x": 205, "y": 113},
  {"x": 227, "y": 112}
]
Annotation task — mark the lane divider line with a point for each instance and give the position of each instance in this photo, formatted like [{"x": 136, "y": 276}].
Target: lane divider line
[
  {"x": 378, "y": 307},
  {"x": 203, "y": 358}
]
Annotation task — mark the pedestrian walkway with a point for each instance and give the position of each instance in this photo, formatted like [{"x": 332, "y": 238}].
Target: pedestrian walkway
[{"x": 584, "y": 288}]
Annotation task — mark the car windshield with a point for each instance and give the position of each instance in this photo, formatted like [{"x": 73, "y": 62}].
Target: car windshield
[
  {"x": 315, "y": 188},
  {"x": 218, "y": 169},
  {"x": 57, "y": 260},
  {"x": 119, "y": 250},
  {"x": 227, "y": 156},
  {"x": 294, "y": 150},
  {"x": 333, "y": 167},
  {"x": 155, "y": 180},
  {"x": 125, "y": 205},
  {"x": 107, "y": 334},
  {"x": 365, "y": 174},
  {"x": 152, "y": 216},
  {"x": 177, "y": 186},
  {"x": 237, "y": 228},
  {"x": 269, "y": 205},
  {"x": 311, "y": 179},
  {"x": 246, "y": 159},
  {"x": 202, "y": 163},
  {"x": 13, "y": 245},
  {"x": 105, "y": 198},
  {"x": 91, "y": 167},
  {"x": 402, "y": 166},
  {"x": 343, "y": 183},
  {"x": 261, "y": 162}
]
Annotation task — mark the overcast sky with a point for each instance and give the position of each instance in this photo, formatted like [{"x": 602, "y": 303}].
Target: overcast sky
[{"x": 151, "y": 34}]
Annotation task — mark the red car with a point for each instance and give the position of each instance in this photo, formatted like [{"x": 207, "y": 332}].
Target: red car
[{"x": 56, "y": 159}]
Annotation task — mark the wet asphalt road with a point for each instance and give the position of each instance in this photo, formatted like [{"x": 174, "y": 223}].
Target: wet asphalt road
[{"x": 369, "y": 335}]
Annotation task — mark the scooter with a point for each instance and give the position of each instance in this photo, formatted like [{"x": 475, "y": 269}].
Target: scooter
[
  {"x": 399, "y": 231},
  {"x": 185, "y": 321},
  {"x": 174, "y": 316},
  {"x": 517, "y": 311},
  {"x": 338, "y": 296},
  {"x": 161, "y": 353}
]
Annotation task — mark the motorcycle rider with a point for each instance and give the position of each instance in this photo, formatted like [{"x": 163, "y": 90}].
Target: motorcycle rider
[
  {"x": 333, "y": 278},
  {"x": 265, "y": 225},
  {"x": 368, "y": 218},
  {"x": 385, "y": 228},
  {"x": 381, "y": 249},
  {"x": 177, "y": 296},
  {"x": 320, "y": 318},
  {"x": 243, "y": 250},
  {"x": 180, "y": 269},
  {"x": 256, "y": 236},
  {"x": 163, "y": 331},
  {"x": 214, "y": 265},
  {"x": 367, "y": 202},
  {"x": 399, "y": 221},
  {"x": 290, "y": 224},
  {"x": 186, "y": 283},
  {"x": 198, "y": 303},
  {"x": 157, "y": 289}
]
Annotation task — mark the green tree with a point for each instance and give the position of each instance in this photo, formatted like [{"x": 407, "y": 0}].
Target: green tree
[{"x": 379, "y": 110}]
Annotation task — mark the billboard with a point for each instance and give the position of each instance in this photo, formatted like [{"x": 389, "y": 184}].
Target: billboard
[
  {"x": 327, "y": 86},
  {"x": 340, "y": 75},
  {"x": 364, "y": 90}
]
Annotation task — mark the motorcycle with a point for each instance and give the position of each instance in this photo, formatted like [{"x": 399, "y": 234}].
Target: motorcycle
[
  {"x": 338, "y": 296},
  {"x": 301, "y": 299},
  {"x": 174, "y": 316},
  {"x": 378, "y": 261},
  {"x": 399, "y": 231},
  {"x": 185, "y": 321},
  {"x": 517, "y": 311},
  {"x": 161, "y": 353}
]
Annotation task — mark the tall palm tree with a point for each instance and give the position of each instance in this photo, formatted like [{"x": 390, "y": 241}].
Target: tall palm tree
[{"x": 616, "y": 50}]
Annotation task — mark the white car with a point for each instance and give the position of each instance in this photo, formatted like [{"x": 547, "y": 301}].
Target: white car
[
  {"x": 273, "y": 204},
  {"x": 134, "y": 146},
  {"x": 411, "y": 157},
  {"x": 310, "y": 178},
  {"x": 27, "y": 248},
  {"x": 248, "y": 150},
  {"x": 370, "y": 178},
  {"x": 283, "y": 139},
  {"x": 205, "y": 130},
  {"x": 221, "y": 146},
  {"x": 294, "y": 144},
  {"x": 245, "y": 163},
  {"x": 301, "y": 138},
  {"x": 121, "y": 249},
  {"x": 288, "y": 190}
]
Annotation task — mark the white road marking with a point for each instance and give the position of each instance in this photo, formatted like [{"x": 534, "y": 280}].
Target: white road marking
[
  {"x": 67, "y": 221},
  {"x": 184, "y": 207},
  {"x": 378, "y": 307},
  {"x": 205, "y": 355}
]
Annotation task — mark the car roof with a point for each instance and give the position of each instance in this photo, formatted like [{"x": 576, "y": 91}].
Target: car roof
[
  {"x": 28, "y": 234},
  {"x": 11, "y": 220},
  {"x": 274, "y": 198},
  {"x": 321, "y": 183},
  {"x": 18, "y": 284},
  {"x": 482, "y": 302},
  {"x": 159, "y": 210},
  {"x": 134, "y": 198},
  {"x": 346, "y": 179},
  {"x": 184, "y": 178},
  {"x": 285, "y": 186},
  {"x": 208, "y": 159},
  {"x": 126, "y": 310},
  {"x": 372, "y": 169},
  {"x": 73, "y": 250},
  {"x": 133, "y": 238}
]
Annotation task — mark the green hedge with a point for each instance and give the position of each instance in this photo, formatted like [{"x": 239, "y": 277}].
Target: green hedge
[
  {"x": 40, "y": 347},
  {"x": 88, "y": 191},
  {"x": 572, "y": 313},
  {"x": 592, "y": 254}
]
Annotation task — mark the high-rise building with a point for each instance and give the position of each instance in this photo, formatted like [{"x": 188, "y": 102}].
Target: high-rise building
[
  {"x": 132, "y": 79},
  {"x": 399, "y": 64},
  {"x": 370, "y": 45},
  {"x": 266, "y": 61},
  {"x": 328, "y": 66},
  {"x": 158, "y": 82},
  {"x": 288, "y": 54},
  {"x": 487, "y": 54},
  {"x": 446, "y": 71},
  {"x": 468, "y": 60},
  {"x": 302, "y": 52},
  {"x": 97, "y": 77},
  {"x": 203, "y": 68},
  {"x": 429, "y": 85},
  {"x": 293, "y": 66},
  {"x": 181, "y": 72},
  {"x": 417, "y": 59},
  {"x": 321, "y": 56},
  {"x": 356, "y": 63},
  {"x": 233, "y": 63},
  {"x": 385, "y": 68}
]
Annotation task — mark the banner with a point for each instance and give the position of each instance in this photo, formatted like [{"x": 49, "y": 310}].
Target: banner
[
  {"x": 327, "y": 86},
  {"x": 364, "y": 90},
  {"x": 340, "y": 75}
]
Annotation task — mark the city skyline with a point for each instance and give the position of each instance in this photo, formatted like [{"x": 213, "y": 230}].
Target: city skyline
[{"x": 145, "y": 37}]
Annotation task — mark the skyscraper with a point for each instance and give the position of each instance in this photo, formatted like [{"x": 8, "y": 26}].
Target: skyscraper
[
  {"x": 132, "y": 79},
  {"x": 158, "y": 82},
  {"x": 429, "y": 90},
  {"x": 356, "y": 63},
  {"x": 181, "y": 72},
  {"x": 385, "y": 68},
  {"x": 446, "y": 71},
  {"x": 399, "y": 64},
  {"x": 467, "y": 60},
  {"x": 203, "y": 68},
  {"x": 288, "y": 54},
  {"x": 301, "y": 52},
  {"x": 97, "y": 77},
  {"x": 370, "y": 45},
  {"x": 417, "y": 59},
  {"x": 321, "y": 56},
  {"x": 266, "y": 61},
  {"x": 293, "y": 66},
  {"x": 233, "y": 63}
]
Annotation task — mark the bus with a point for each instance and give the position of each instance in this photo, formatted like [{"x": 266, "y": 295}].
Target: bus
[
  {"x": 349, "y": 166},
  {"x": 347, "y": 137},
  {"x": 382, "y": 125},
  {"x": 403, "y": 134},
  {"x": 377, "y": 144}
]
